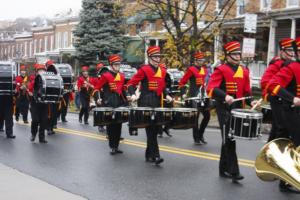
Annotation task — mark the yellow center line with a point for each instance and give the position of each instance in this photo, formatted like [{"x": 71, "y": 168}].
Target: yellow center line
[{"x": 179, "y": 151}]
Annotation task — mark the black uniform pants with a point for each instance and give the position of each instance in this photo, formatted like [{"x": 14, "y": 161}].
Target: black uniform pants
[
  {"x": 228, "y": 160},
  {"x": 114, "y": 134},
  {"x": 292, "y": 123},
  {"x": 52, "y": 116},
  {"x": 22, "y": 107},
  {"x": 85, "y": 106},
  {"x": 278, "y": 119},
  {"x": 152, "y": 150},
  {"x": 64, "y": 104},
  {"x": 1, "y": 123},
  {"x": 39, "y": 115},
  {"x": 198, "y": 131},
  {"x": 6, "y": 113}
]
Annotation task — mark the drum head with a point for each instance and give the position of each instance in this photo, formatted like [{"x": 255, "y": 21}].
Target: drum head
[
  {"x": 162, "y": 109},
  {"x": 246, "y": 113},
  {"x": 121, "y": 109},
  {"x": 184, "y": 109},
  {"x": 141, "y": 108},
  {"x": 103, "y": 109},
  {"x": 267, "y": 106}
]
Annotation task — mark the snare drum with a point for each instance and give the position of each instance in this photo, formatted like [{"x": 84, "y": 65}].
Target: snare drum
[
  {"x": 245, "y": 123},
  {"x": 183, "y": 118},
  {"x": 103, "y": 116},
  {"x": 267, "y": 114},
  {"x": 120, "y": 115},
  {"x": 141, "y": 117},
  {"x": 201, "y": 104},
  {"x": 162, "y": 116}
]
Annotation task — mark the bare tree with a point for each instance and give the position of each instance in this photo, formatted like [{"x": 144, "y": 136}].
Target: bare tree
[{"x": 181, "y": 20}]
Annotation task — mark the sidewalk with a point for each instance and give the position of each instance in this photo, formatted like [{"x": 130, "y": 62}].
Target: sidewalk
[{"x": 15, "y": 185}]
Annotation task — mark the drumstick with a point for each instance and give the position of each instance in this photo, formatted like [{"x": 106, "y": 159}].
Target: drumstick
[
  {"x": 257, "y": 103},
  {"x": 241, "y": 99},
  {"x": 178, "y": 102}
]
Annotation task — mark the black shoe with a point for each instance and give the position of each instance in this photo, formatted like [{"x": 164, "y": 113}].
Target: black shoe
[
  {"x": 119, "y": 151},
  {"x": 167, "y": 132},
  {"x": 135, "y": 133},
  {"x": 121, "y": 138},
  {"x": 101, "y": 129},
  {"x": 203, "y": 140},
  {"x": 160, "y": 135},
  {"x": 26, "y": 122},
  {"x": 80, "y": 120},
  {"x": 17, "y": 119},
  {"x": 197, "y": 142},
  {"x": 54, "y": 126},
  {"x": 158, "y": 160},
  {"x": 86, "y": 122},
  {"x": 51, "y": 132},
  {"x": 32, "y": 138},
  {"x": 150, "y": 159},
  {"x": 225, "y": 175},
  {"x": 43, "y": 141},
  {"x": 10, "y": 136},
  {"x": 237, "y": 177},
  {"x": 113, "y": 151},
  {"x": 1, "y": 130},
  {"x": 64, "y": 120}
]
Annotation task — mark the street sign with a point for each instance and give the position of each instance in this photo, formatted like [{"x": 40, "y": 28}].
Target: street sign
[
  {"x": 250, "y": 23},
  {"x": 248, "y": 50}
]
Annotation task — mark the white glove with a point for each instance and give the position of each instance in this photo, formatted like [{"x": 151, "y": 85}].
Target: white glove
[
  {"x": 229, "y": 99},
  {"x": 99, "y": 101},
  {"x": 184, "y": 96},
  {"x": 133, "y": 98},
  {"x": 169, "y": 98}
]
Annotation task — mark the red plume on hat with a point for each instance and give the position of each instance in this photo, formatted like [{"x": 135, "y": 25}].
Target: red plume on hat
[
  {"x": 231, "y": 47},
  {"x": 115, "y": 58},
  {"x": 23, "y": 68},
  {"x": 286, "y": 43},
  {"x": 84, "y": 68},
  {"x": 49, "y": 62},
  {"x": 98, "y": 66},
  {"x": 39, "y": 66},
  {"x": 198, "y": 55},
  {"x": 153, "y": 50}
]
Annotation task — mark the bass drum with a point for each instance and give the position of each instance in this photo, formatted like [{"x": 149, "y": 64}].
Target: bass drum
[
  {"x": 66, "y": 72},
  {"x": 7, "y": 78},
  {"x": 48, "y": 88}
]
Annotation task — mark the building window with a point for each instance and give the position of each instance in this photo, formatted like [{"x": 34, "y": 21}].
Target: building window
[
  {"x": 34, "y": 46},
  {"x": 292, "y": 3},
  {"x": 72, "y": 39},
  {"x": 265, "y": 5},
  {"x": 41, "y": 45},
  {"x": 201, "y": 6},
  {"x": 65, "y": 39},
  {"x": 240, "y": 8},
  {"x": 219, "y": 5},
  {"x": 30, "y": 49},
  {"x": 46, "y": 43},
  {"x": 150, "y": 27},
  {"x": 51, "y": 42},
  {"x": 57, "y": 40}
]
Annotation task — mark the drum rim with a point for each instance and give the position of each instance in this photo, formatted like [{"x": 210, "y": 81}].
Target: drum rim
[
  {"x": 121, "y": 109},
  {"x": 142, "y": 108},
  {"x": 266, "y": 106},
  {"x": 103, "y": 109},
  {"x": 252, "y": 115},
  {"x": 184, "y": 109},
  {"x": 162, "y": 109}
]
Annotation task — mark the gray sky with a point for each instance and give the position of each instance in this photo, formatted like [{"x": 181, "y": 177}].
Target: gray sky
[{"x": 11, "y": 9}]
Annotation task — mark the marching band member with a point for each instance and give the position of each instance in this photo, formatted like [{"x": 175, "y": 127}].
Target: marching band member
[
  {"x": 285, "y": 84},
  {"x": 6, "y": 115},
  {"x": 196, "y": 74},
  {"x": 152, "y": 78},
  {"x": 39, "y": 111},
  {"x": 229, "y": 80},
  {"x": 85, "y": 87},
  {"x": 286, "y": 55},
  {"x": 99, "y": 66},
  {"x": 111, "y": 83},
  {"x": 22, "y": 102}
]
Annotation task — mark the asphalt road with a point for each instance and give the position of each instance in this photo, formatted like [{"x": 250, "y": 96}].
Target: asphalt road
[{"x": 77, "y": 160}]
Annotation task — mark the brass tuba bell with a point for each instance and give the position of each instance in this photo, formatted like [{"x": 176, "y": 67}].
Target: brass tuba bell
[{"x": 279, "y": 159}]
